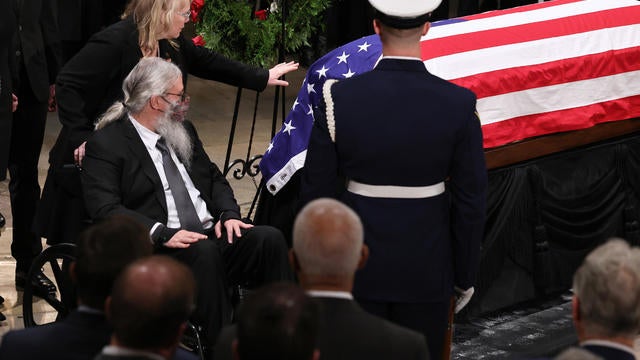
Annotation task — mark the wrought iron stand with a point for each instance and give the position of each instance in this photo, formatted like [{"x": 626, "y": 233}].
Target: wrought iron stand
[{"x": 250, "y": 164}]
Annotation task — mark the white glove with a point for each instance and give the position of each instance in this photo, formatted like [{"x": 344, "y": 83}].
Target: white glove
[{"x": 462, "y": 298}]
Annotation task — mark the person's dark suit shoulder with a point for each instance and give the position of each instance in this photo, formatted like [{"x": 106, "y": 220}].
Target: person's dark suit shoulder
[
  {"x": 349, "y": 332},
  {"x": 79, "y": 336}
]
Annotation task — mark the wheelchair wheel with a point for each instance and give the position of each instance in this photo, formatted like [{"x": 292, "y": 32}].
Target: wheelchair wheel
[{"x": 53, "y": 261}]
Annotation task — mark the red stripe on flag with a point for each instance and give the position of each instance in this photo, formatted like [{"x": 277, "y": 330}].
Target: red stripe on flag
[
  {"x": 529, "y": 32},
  {"x": 552, "y": 73},
  {"x": 518, "y": 9},
  {"x": 523, "y": 127}
]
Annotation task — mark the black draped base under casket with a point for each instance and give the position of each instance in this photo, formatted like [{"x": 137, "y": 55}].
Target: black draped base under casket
[{"x": 543, "y": 218}]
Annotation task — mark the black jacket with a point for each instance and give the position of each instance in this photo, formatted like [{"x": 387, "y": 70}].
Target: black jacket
[
  {"x": 119, "y": 177},
  {"x": 347, "y": 332}
]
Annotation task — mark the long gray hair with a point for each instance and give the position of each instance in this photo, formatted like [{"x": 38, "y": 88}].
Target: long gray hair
[{"x": 150, "y": 77}]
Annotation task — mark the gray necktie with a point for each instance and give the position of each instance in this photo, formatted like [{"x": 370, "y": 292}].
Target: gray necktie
[{"x": 189, "y": 219}]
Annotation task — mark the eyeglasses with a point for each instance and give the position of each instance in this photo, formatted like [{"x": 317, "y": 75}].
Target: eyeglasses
[
  {"x": 186, "y": 14},
  {"x": 183, "y": 96}
]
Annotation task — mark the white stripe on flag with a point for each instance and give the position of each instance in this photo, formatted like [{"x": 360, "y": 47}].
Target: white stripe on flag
[
  {"x": 498, "y": 108},
  {"x": 524, "y": 17},
  {"x": 522, "y": 54},
  {"x": 280, "y": 179}
]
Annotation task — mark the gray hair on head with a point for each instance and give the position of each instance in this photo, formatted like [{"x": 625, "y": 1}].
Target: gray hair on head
[
  {"x": 328, "y": 238},
  {"x": 152, "y": 76},
  {"x": 607, "y": 285}
]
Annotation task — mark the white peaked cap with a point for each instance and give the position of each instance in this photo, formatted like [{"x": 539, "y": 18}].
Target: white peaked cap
[{"x": 405, "y": 8}]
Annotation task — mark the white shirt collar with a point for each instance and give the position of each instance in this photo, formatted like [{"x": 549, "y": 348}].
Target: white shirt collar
[
  {"x": 330, "y": 294},
  {"x": 402, "y": 58},
  {"x": 607, "y": 343},
  {"x": 398, "y": 58},
  {"x": 149, "y": 138},
  {"x": 122, "y": 351},
  {"x": 89, "y": 310}
]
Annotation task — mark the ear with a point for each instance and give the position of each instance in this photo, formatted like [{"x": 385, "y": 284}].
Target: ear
[
  {"x": 234, "y": 349},
  {"x": 293, "y": 261},
  {"x": 575, "y": 309},
  {"x": 425, "y": 28},
  {"x": 72, "y": 273},
  {"x": 364, "y": 256},
  {"x": 181, "y": 330},
  {"x": 154, "y": 103},
  {"x": 316, "y": 354},
  {"x": 107, "y": 308},
  {"x": 376, "y": 26}
]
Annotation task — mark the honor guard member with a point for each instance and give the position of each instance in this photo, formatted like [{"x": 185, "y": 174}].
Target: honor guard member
[{"x": 409, "y": 145}]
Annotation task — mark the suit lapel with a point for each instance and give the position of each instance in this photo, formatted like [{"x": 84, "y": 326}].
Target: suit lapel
[
  {"x": 139, "y": 150},
  {"x": 199, "y": 169}
]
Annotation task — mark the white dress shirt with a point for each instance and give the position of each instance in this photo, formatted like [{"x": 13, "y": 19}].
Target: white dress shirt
[
  {"x": 330, "y": 294},
  {"x": 150, "y": 138}
]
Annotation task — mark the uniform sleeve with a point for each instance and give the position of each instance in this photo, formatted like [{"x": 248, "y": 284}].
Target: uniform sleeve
[
  {"x": 320, "y": 172},
  {"x": 207, "y": 64},
  {"x": 468, "y": 189}
]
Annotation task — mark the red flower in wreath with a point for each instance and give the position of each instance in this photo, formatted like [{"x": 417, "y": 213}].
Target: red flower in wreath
[
  {"x": 261, "y": 14},
  {"x": 198, "y": 40},
  {"x": 196, "y": 6}
]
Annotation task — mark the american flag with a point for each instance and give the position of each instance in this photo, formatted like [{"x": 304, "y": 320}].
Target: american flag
[{"x": 539, "y": 69}]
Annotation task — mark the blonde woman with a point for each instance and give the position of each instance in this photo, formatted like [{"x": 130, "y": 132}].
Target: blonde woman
[{"x": 91, "y": 81}]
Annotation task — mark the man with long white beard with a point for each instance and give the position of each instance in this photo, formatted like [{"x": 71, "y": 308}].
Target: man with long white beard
[{"x": 146, "y": 161}]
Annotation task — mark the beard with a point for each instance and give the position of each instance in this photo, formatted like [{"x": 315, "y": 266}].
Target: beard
[{"x": 176, "y": 137}]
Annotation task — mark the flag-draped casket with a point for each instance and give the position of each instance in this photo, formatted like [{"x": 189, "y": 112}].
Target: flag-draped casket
[{"x": 540, "y": 69}]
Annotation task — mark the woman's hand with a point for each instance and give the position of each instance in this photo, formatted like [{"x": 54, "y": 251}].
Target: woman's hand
[
  {"x": 14, "y": 103},
  {"x": 52, "y": 104},
  {"x": 277, "y": 71},
  {"x": 78, "y": 154}
]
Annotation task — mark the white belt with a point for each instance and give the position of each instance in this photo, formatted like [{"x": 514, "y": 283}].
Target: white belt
[{"x": 396, "y": 192}]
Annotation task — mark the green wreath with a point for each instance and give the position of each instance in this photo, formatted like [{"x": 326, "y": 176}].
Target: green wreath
[{"x": 233, "y": 28}]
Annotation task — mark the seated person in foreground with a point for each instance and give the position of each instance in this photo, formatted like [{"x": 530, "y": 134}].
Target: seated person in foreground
[
  {"x": 148, "y": 308},
  {"x": 147, "y": 162},
  {"x": 103, "y": 251},
  {"x": 606, "y": 300},
  {"x": 327, "y": 250},
  {"x": 279, "y": 321}
]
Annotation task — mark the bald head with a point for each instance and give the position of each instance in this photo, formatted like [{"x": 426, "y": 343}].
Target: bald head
[
  {"x": 150, "y": 301},
  {"x": 327, "y": 239}
]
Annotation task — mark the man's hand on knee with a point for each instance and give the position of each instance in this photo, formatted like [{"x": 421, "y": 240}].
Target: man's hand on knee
[
  {"x": 232, "y": 226},
  {"x": 183, "y": 239}
]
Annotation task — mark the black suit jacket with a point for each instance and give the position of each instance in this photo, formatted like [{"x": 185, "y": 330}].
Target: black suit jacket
[
  {"x": 37, "y": 45},
  {"x": 120, "y": 177},
  {"x": 608, "y": 352},
  {"x": 7, "y": 68},
  {"x": 347, "y": 332},
  {"x": 81, "y": 336},
  {"x": 121, "y": 357}
]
